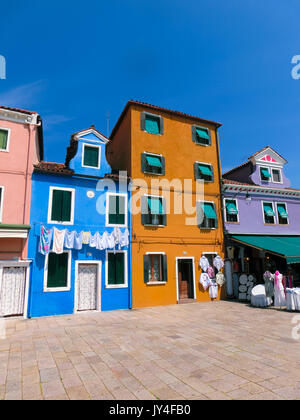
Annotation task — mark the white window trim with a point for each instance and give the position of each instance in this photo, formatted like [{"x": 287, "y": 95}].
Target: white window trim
[
  {"x": 55, "y": 222},
  {"x": 237, "y": 206},
  {"x": 1, "y": 202},
  {"x": 215, "y": 208},
  {"x": 58, "y": 289},
  {"x": 116, "y": 286},
  {"x": 84, "y": 145},
  {"x": 263, "y": 213},
  {"x": 177, "y": 276},
  {"x": 285, "y": 204},
  {"x": 99, "y": 271},
  {"x": 8, "y": 139},
  {"x": 153, "y": 283},
  {"x": 108, "y": 195},
  {"x": 211, "y": 167},
  {"x": 280, "y": 174},
  {"x": 155, "y": 196}
]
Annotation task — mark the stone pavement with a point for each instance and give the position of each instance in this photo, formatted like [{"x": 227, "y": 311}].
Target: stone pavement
[{"x": 215, "y": 350}]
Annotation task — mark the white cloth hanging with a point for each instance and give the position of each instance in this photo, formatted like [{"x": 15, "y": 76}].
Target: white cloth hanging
[
  {"x": 69, "y": 239},
  {"x": 86, "y": 236},
  {"x": 125, "y": 238},
  {"x": 220, "y": 279},
  {"x": 279, "y": 295},
  {"x": 111, "y": 241},
  {"x": 58, "y": 240},
  {"x": 259, "y": 298},
  {"x": 78, "y": 241},
  {"x": 204, "y": 263},
  {"x": 94, "y": 239},
  {"x": 205, "y": 281},
  {"x": 213, "y": 290},
  {"x": 103, "y": 242},
  {"x": 218, "y": 262}
]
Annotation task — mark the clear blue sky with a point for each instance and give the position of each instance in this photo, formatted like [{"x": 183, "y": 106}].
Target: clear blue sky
[{"x": 229, "y": 61}]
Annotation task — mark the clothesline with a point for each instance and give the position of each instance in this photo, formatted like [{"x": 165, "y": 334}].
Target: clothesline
[{"x": 75, "y": 240}]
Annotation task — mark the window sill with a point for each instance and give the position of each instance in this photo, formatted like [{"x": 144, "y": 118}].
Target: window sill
[
  {"x": 117, "y": 286},
  {"x": 233, "y": 223},
  {"x": 57, "y": 289},
  {"x": 60, "y": 223},
  {"x": 155, "y": 226},
  {"x": 156, "y": 283}
]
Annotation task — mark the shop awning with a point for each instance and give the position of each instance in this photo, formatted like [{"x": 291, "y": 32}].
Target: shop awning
[
  {"x": 209, "y": 211},
  {"x": 285, "y": 246},
  {"x": 154, "y": 161},
  {"x": 205, "y": 170}
]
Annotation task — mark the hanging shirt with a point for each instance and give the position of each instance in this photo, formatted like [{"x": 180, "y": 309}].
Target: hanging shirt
[
  {"x": 86, "y": 237},
  {"x": 230, "y": 252},
  {"x": 218, "y": 262},
  {"x": 213, "y": 291},
  {"x": 204, "y": 263},
  {"x": 103, "y": 242},
  {"x": 211, "y": 272},
  {"x": 58, "y": 240},
  {"x": 45, "y": 240},
  {"x": 111, "y": 241},
  {"x": 125, "y": 238},
  {"x": 69, "y": 239},
  {"x": 78, "y": 241},
  {"x": 117, "y": 235},
  {"x": 94, "y": 240}
]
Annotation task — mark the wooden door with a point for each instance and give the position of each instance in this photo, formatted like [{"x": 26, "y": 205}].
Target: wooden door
[{"x": 87, "y": 287}]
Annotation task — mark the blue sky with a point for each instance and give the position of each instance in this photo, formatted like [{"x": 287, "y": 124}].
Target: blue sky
[{"x": 228, "y": 61}]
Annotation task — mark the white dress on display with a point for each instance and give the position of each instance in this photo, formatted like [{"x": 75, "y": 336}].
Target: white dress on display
[{"x": 279, "y": 295}]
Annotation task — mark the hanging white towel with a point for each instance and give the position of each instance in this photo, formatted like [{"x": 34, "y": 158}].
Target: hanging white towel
[
  {"x": 86, "y": 236},
  {"x": 78, "y": 241},
  {"x": 58, "y": 240},
  {"x": 69, "y": 239},
  {"x": 94, "y": 239},
  {"x": 111, "y": 241},
  {"x": 125, "y": 238},
  {"x": 103, "y": 242},
  {"x": 117, "y": 234}
]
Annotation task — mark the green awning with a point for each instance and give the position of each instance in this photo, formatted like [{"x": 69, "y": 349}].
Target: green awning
[
  {"x": 285, "y": 246},
  {"x": 202, "y": 133},
  {"x": 282, "y": 211},
  {"x": 231, "y": 207},
  {"x": 268, "y": 210},
  {"x": 152, "y": 125},
  {"x": 209, "y": 210},
  {"x": 205, "y": 170},
  {"x": 155, "y": 205},
  {"x": 154, "y": 161},
  {"x": 265, "y": 173}
]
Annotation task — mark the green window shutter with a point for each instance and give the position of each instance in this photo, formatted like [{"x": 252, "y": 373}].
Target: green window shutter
[
  {"x": 121, "y": 210},
  {"x": 116, "y": 210},
  {"x": 196, "y": 171},
  {"x": 111, "y": 280},
  {"x": 91, "y": 156},
  {"x": 154, "y": 161},
  {"x": 147, "y": 265},
  {"x": 3, "y": 139},
  {"x": 161, "y": 125},
  {"x": 163, "y": 164},
  {"x": 209, "y": 210},
  {"x": 200, "y": 214},
  {"x": 165, "y": 268},
  {"x": 282, "y": 211},
  {"x": 143, "y": 121},
  {"x": 66, "y": 206},
  {"x": 145, "y": 211},
  {"x": 164, "y": 211},
  {"x": 143, "y": 162},
  {"x": 57, "y": 270},
  {"x": 120, "y": 275},
  {"x": 202, "y": 133},
  {"x": 152, "y": 124},
  {"x": 57, "y": 198}
]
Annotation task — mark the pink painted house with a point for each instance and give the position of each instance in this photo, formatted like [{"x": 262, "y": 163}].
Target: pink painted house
[{"x": 21, "y": 146}]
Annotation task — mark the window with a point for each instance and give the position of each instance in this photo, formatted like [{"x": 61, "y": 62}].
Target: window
[
  {"x": 1, "y": 202},
  {"x": 153, "y": 164},
  {"x": 265, "y": 174},
  {"x": 57, "y": 272},
  {"x": 116, "y": 269},
  {"x": 4, "y": 139},
  {"x": 201, "y": 135},
  {"x": 91, "y": 156},
  {"x": 269, "y": 215},
  {"x": 155, "y": 268},
  {"x": 203, "y": 171},
  {"x": 206, "y": 215},
  {"x": 152, "y": 123},
  {"x": 283, "y": 217},
  {"x": 153, "y": 211},
  {"x": 231, "y": 209},
  {"x": 276, "y": 176},
  {"x": 61, "y": 205},
  {"x": 116, "y": 212}
]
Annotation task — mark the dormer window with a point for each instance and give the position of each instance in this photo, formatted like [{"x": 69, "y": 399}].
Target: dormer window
[
  {"x": 265, "y": 174},
  {"x": 91, "y": 156},
  {"x": 276, "y": 176}
]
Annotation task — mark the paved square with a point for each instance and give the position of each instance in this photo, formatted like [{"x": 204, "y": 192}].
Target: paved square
[{"x": 217, "y": 350}]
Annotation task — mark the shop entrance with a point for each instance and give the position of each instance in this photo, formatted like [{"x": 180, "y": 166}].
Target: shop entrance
[{"x": 185, "y": 278}]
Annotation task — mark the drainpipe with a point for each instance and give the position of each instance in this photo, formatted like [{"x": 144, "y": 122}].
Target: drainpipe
[{"x": 221, "y": 189}]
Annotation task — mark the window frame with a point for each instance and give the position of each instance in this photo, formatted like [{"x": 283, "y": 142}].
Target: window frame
[
  {"x": 237, "y": 207},
  {"x": 162, "y": 202},
  {"x": 215, "y": 209},
  {"x": 50, "y": 201},
  {"x": 264, "y": 215},
  {"x": 146, "y": 165},
  {"x": 108, "y": 195},
  {"x": 278, "y": 215},
  {"x": 162, "y": 282},
  {"x": 116, "y": 286},
  {"x": 143, "y": 122},
  {"x": 280, "y": 175},
  {"x": 195, "y": 136},
  {"x": 2, "y": 188},
  {"x": 8, "y": 139},
  {"x": 260, "y": 173},
  {"x": 204, "y": 164},
  {"x": 47, "y": 289},
  {"x": 84, "y": 145}
]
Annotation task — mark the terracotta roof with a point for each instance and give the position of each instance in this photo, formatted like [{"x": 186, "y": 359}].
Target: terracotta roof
[
  {"x": 159, "y": 109},
  {"x": 53, "y": 168},
  {"x": 23, "y": 111},
  {"x": 229, "y": 181}
]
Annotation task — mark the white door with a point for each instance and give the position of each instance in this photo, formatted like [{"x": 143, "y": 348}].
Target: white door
[
  {"x": 87, "y": 287},
  {"x": 12, "y": 294}
]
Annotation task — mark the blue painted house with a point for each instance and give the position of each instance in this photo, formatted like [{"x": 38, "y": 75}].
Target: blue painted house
[{"x": 83, "y": 206}]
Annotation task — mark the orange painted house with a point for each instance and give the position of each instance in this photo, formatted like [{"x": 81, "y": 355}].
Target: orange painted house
[{"x": 161, "y": 148}]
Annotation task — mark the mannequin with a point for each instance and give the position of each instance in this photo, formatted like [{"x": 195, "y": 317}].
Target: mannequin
[{"x": 279, "y": 295}]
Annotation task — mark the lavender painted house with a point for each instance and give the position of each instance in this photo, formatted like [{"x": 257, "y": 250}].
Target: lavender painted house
[{"x": 262, "y": 217}]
